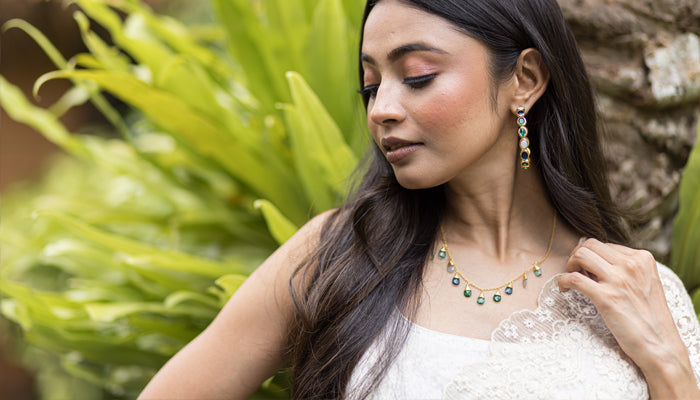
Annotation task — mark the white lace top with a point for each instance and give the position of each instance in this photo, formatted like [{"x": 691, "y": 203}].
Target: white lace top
[{"x": 561, "y": 350}]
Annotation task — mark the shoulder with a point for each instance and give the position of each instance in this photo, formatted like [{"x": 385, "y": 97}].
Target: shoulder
[
  {"x": 679, "y": 302},
  {"x": 669, "y": 280},
  {"x": 304, "y": 241},
  {"x": 279, "y": 268}
]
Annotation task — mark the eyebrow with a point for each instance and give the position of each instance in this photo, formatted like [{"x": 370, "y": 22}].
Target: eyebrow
[{"x": 402, "y": 51}]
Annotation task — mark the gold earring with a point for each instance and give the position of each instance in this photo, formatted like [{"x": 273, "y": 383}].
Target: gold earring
[{"x": 524, "y": 142}]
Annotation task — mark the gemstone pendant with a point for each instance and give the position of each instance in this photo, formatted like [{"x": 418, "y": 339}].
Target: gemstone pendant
[
  {"x": 497, "y": 296},
  {"x": 450, "y": 267},
  {"x": 524, "y": 280},
  {"x": 525, "y": 154},
  {"x": 481, "y": 300},
  {"x": 537, "y": 271},
  {"x": 509, "y": 289},
  {"x": 522, "y": 121},
  {"x": 455, "y": 280},
  {"x": 467, "y": 291},
  {"x": 443, "y": 252},
  {"x": 522, "y": 131}
]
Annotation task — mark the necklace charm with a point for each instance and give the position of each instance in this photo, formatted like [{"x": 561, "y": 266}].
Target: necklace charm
[
  {"x": 468, "y": 291},
  {"x": 443, "y": 251},
  {"x": 507, "y": 287},
  {"x": 536, "y": 270},
  {"x": 450, "y": 267}
]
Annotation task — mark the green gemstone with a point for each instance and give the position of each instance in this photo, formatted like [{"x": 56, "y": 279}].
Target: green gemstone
[
  {"x": 481, "y": 300},
  {"x": 442, "y": 254},
  {"x": 522, "y": 131},
  {"x": 468, "y": 293},
  {"x": 538, "y": 272},
  {"x": 496, "y": 298}
]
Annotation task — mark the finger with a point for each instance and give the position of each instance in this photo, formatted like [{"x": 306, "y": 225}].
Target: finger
[
  {"x": 627, "y": 251},
  {"x": 581, "y": 283},
  {"x": 613, "y": 254},
  {"x": 587, "y": 261}
]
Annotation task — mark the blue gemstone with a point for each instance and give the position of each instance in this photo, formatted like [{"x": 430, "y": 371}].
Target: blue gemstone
[
  {"x": 522, "y": 131},
  {"x": 524, "y": 155},
  {"x": 455, "y": 281},
  {"x": 509, "y": 290}
]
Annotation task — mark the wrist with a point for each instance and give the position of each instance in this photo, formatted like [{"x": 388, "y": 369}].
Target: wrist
[{"x": 671, "y": 376}]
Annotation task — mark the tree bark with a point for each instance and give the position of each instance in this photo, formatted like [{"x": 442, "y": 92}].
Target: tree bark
[{"x": 643, "y": 57}]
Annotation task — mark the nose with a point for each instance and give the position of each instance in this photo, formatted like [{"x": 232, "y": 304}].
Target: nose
[{"x": 386, "y": 109}]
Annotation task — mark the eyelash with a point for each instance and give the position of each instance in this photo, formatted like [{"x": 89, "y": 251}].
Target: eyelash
[{"x": 417, "y": 82}]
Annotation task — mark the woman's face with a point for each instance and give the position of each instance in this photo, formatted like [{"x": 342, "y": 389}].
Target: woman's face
[{"x": 430, "y": 110}]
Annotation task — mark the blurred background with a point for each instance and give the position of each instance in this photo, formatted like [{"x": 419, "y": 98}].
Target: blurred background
[
  {"x": 24, "y": 152},
  {"x": 642, "y": 55}
]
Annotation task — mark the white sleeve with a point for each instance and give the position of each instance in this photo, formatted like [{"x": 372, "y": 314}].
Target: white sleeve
[{"x": 684, "y": 315}]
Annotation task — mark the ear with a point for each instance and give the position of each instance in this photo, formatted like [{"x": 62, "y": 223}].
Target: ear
[{"x": 530, "y": 79}]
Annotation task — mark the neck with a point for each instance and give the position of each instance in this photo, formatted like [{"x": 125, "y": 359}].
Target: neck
[{"x": 500, "y": 214}]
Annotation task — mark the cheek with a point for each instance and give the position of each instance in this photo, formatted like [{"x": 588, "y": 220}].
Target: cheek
[
  {"x": 373, "y": 130},
  {"x": 461, "y": 104}
]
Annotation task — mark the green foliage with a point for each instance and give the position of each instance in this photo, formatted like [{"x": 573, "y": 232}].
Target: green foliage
[
  {"x": 129, "y": 247},
  {"x": 685, "y": 255}
]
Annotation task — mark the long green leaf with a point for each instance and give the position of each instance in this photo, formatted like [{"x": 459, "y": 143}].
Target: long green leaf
[
  {"x": 264, "y": 175},
  {"x": 170, "y": 259},
  {"x": 322, "y": 157},
  {"x": 685, "y": 254},
  {"x": 21, "y": 110},
  {"x": 280, "y": 227}
]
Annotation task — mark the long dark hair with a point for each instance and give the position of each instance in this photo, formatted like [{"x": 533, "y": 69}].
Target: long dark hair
[{"x": 373, "y": 249}]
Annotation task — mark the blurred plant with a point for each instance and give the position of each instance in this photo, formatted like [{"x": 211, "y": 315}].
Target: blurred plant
[
  {"x": 128, "y": 248},
  {"x": 685, "y": 254}
]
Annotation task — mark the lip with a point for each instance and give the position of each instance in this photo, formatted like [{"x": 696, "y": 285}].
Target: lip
[{"x": 397, "y": 149}]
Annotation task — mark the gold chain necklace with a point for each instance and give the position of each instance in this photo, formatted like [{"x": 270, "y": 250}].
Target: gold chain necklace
[{"x": 451, "y": 268}]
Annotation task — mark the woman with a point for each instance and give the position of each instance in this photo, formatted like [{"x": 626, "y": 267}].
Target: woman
[{"x": 458, "y": 268}]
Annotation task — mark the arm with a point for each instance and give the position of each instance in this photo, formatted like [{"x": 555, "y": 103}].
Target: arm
[
  {"x": 245, "y": 344},
  {"x": 625, "y": 287}
]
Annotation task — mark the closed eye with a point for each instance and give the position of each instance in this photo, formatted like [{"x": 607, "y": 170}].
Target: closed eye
[
  {"x": 369, "y": 90},
  {"x": 419, "y": 81}
]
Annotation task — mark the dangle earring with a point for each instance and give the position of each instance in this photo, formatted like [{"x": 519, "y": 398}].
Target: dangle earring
[{"x": 524, "y": 144}]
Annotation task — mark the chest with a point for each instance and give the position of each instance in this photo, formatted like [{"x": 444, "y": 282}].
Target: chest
[
  {"x": 560, "y": 350},
  {"x": 445, "y": 308}
]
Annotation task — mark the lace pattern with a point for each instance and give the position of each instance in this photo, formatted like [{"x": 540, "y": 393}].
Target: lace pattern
[
  {"x": 564, "y": 350},
  {"x": 561, "y": 350}
]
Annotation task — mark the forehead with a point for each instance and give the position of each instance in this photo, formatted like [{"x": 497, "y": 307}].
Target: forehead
[{"x": 391, "y": 24}]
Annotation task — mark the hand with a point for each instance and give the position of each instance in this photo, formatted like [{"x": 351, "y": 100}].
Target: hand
[{"x": 625, "y": 288}]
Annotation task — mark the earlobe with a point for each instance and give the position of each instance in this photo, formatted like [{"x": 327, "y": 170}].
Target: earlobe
[{"x": 531, "y": 78}]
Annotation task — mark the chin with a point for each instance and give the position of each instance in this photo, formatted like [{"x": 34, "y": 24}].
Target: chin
[{"x": 415, "y": 182}]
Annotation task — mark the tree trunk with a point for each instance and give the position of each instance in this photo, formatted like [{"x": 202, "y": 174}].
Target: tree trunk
[{"x": 643, "y": 57}]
